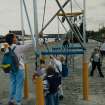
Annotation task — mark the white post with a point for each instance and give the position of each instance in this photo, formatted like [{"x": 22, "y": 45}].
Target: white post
[
  {"x": 36, "y": 30},
  {"x": 35, "y": 21},
  {"x": 22, "y": 22},
  {"x": 84, "y": 22},
  {"x": 30, "y": 27}
]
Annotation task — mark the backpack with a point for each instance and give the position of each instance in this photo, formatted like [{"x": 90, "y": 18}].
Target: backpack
[
  {"x": 10, "y": 61},
  {"x": 53, "y": 82}
]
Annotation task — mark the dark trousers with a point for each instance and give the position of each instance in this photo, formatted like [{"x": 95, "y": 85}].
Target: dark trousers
[
  {"x": 52, "y": 99},
  {"x": 94, "y": 65}
]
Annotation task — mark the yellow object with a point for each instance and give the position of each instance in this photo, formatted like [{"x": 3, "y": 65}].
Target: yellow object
[
  {"x": 4, "y": 66},
  {"x": 39, "y": 91},
  {"x": 70, "y": 14},
  {"x": 85, "y": 82},
  {"x": 26, "y": 83}
]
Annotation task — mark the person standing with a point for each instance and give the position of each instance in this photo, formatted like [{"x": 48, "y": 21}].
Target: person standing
[
  {"x": 16, "y": 78},
  {"x": 96, "y": 60}
]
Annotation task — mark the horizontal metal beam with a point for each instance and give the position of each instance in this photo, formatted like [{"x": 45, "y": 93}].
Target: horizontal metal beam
[
  {"x": 66, "y": 47},
  {"x": 63, "y": 53}
]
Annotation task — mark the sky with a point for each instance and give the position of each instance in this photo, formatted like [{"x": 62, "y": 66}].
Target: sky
[{"x": 10, "y": 18}]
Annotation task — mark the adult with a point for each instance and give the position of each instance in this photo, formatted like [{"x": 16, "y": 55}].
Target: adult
[
  {"x": 16, "y": 78},
  {"x": 96, "y": 62}
]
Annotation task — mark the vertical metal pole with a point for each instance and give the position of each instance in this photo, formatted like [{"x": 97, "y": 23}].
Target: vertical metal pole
[
  {"x": 38, "y": 81},
  {"x": 30, "y": 28},
  {"x": 36, "y": 30},
  {"x": 85, "y": 61},
  {"x": 58, "y": 28},
  {"x": 84, "y": 22},
  {"x": 22, "y": 22},
  {"x": 72, "y": 36},
  {"x": 35, "y": 21}
]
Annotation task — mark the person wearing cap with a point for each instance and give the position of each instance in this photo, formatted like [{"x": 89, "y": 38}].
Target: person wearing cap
[{"x": 96, "y": 60}]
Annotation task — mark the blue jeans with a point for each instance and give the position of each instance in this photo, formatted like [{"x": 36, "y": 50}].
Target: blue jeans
[
  {"x": 16, "y": 85},
  {"x": 52, "y": 99}
]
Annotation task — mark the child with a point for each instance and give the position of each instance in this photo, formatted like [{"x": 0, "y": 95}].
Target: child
[
  {"x": 42, "y": 68},
  {"x": 52, "y": 80},
  {"x": 56, "y": 62}
]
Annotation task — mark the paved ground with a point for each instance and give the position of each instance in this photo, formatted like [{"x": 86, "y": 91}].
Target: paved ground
[{"x": 72, "y": 85}]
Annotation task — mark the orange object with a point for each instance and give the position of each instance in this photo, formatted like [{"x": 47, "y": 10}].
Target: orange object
[
  {"x": 70, "y": 14},
  {"x": 85, "y": 82},
  {"x": 26, "y": 83},
  {"x": 39, "y": 91}
]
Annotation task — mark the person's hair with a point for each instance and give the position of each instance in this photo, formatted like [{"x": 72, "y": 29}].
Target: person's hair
[
  {"x": 50, "y": 70},
  {"x": 62, "y": 58},
  {"x": 9, "y": 38}
]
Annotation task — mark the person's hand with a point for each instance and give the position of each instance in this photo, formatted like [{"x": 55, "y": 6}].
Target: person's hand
[
  {"x": 35, "y": 75},
  {"x": 5, "y": 45}
]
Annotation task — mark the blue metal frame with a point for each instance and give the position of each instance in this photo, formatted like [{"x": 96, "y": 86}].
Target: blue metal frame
[
  {"x": 62, "y": 53},
  {"x": 64, "y": 50}
]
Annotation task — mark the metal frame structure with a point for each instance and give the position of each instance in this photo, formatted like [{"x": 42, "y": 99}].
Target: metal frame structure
[
  {"x": 78, "y": 35},
  {"x": 34, "y": 32},
  {"x": 75, "y": 30},
  {"x": 58, "y": 13}
]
